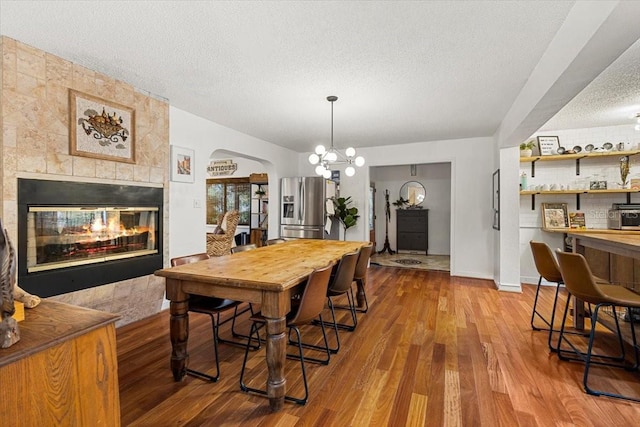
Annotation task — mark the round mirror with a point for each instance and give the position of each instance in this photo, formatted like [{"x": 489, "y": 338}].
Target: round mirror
[{"x": 414, "y": 192}]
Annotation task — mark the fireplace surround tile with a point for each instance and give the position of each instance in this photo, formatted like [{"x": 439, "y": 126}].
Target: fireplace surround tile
[{"x": 25, "y": 107}]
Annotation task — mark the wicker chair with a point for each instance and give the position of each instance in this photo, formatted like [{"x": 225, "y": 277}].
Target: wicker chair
[{"x": 220, "y": 244}]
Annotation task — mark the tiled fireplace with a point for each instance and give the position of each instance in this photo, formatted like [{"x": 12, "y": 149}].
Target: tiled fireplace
[
  {"x": 34, "y": 143},
  {"x": 74, "y": 235}
]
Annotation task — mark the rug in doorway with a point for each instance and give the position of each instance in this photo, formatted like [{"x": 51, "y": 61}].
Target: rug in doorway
[{"x": 407, "y": 261}]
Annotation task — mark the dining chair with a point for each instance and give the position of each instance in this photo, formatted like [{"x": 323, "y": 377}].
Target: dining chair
[
  {"x": 243, "y": 248},
  {"x": 360, "y": 277},
  {"x": 581, "y": 284},
  {"x": 340, "y": 284},
  {"x": 275, "y": 241},
  {"x": 235, "y": 250},
  {"x": 212, "y": 307},
  {"x": 219, "y": 242},
  {"x": 360, "y": 274},
  {"x": 303, "y": 311}
]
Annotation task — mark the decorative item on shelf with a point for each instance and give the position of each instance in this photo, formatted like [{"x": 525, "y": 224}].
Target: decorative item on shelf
[
  {"x": 260, "y": 191},
  {"x": 577, "y": 220},
  {"x": 548, "y": 145},
  {"x": 526, "y": 148},
  {"x": 624, "y": 171},
  {"x": 347, "y": 215},
  {"x": 554, "y": 215},
  {"x": 400, "y": 203},
  {"x": 325, "y": 159}
]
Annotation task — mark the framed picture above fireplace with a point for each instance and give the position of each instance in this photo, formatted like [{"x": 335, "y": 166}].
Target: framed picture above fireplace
[{"x": 101, "y": 129}]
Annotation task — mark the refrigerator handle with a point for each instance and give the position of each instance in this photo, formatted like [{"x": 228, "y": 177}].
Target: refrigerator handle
[{"x": 302, "y": 200}]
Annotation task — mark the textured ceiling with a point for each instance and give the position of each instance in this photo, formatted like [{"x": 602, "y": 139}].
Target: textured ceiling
[{"x": 403, "y": 71}]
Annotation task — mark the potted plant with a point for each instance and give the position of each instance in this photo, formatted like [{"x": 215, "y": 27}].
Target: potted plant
[
  {"x": 400, "y": 203},
  {"x": 526, "y": 148},
  {"x": 347, "y": 215},
  {"x": 260, "y": 192}
]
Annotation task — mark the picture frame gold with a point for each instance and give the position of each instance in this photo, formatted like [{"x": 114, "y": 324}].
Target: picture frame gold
[
  {"x": 101, "y": 129},
  {"x": 554, "y": 215}
]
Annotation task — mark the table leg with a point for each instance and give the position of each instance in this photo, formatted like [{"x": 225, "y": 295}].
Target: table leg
[
  {"x": 179, "y": 333},
  {"x": 276, "y": 356}
]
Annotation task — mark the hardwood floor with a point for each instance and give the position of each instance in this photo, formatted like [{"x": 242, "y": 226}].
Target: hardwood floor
[{"x": 432, "y": 350}]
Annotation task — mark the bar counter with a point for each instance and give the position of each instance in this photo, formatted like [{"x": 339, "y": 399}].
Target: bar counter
[{"x": 614, "y": 256}]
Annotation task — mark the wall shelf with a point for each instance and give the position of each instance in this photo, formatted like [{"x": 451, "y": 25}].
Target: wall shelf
[
  {"x": 533, "y": 194},
  {"x": 577, "y": 157}
]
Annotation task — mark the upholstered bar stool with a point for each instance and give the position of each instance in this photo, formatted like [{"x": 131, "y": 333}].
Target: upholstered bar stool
[
  {"x": 548, "y": 269},
  {"x": 581, "y": 283}
]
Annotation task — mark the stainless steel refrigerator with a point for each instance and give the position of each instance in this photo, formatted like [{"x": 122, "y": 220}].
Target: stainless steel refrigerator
[{"x": 306, "y": 208}]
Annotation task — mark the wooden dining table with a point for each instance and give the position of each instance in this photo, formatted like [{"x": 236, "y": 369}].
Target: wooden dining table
[{"x": 268, "y": 276}]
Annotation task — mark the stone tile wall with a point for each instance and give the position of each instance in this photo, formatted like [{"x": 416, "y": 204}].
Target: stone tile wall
[{"x": 34, "y": 115}]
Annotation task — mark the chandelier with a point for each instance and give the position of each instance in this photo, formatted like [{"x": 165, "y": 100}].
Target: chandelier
[{"x": 325, "y": 159}]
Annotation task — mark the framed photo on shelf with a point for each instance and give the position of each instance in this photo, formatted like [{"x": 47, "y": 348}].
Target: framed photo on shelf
[
  {"x": 577, "y": 220},
  {"x": 548, "y": 145},
  {"x": 554, "y": 215},
  {"x": 182, "y": 162}
]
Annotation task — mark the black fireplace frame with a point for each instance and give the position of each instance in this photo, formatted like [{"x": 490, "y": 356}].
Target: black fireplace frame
[{"x": 34, "y": 192}]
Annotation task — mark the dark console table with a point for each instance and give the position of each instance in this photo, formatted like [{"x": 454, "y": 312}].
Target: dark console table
[{"x": 412, "y": 230}]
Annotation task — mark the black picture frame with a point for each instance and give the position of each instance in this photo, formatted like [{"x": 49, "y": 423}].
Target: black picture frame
[{"x": 496, "y": 199}]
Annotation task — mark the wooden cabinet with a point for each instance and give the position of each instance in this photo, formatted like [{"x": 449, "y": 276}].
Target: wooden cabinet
[
  {"x": 412, "y": 230},
  {"x": 63, "y": 371}
]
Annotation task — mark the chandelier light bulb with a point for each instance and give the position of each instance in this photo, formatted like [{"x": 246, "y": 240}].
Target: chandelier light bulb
[
  {"x": 320, "y": 150},
  {"x": 349, "y": 171},
  {"x": 331, "y": 156},
  {"x": 319, "y": 170},
  {"x": 359, "y": 161},
  {"x": 314, "y": 158},
  {"x": 637, "y": 127},
  {"x": 350, "y": 152},
  {"x": 326, "y": 174}
]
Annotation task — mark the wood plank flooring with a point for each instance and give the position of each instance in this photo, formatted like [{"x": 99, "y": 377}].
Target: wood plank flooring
[{"x": 432, "y": 351}]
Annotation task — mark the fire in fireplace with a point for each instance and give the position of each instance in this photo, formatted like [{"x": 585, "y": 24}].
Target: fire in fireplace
[
  {"x": 60, "y": 237},
  {"x": 73, "y": 236}
]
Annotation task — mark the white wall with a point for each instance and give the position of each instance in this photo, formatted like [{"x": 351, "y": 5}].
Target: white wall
[
  {"x": 472, "y": 165},
  {"x": 436, "y": 178},
  {"x": 187, "y": 226}
]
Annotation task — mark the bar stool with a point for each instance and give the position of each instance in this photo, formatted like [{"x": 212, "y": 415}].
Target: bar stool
[
  {"x": 547, "y": 267},
  {"x": 581, "y": 283}
]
